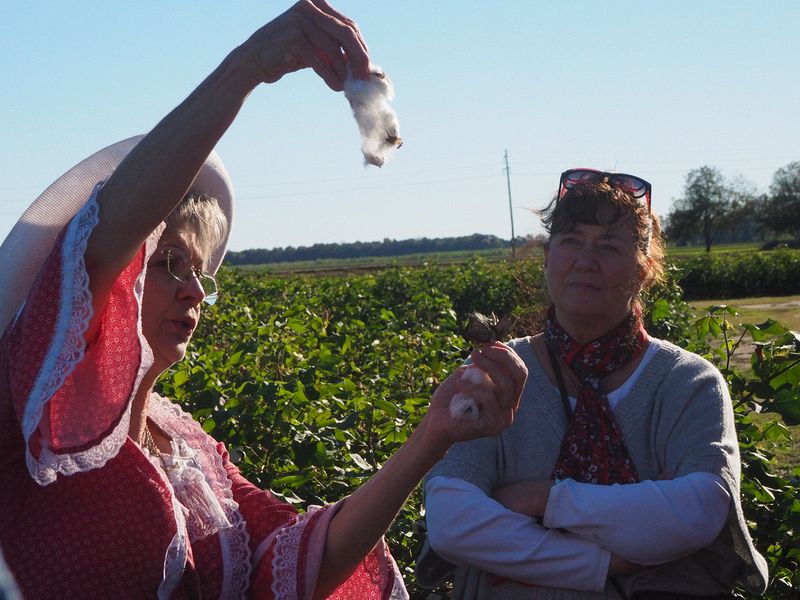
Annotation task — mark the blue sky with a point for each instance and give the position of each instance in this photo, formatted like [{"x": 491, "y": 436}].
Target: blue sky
[{"x": 654, "y": 89}]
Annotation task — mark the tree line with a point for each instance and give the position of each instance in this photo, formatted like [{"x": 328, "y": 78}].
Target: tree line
[
  {"x": 715, "y": 209},
  {"x": 385, "y": 248}
]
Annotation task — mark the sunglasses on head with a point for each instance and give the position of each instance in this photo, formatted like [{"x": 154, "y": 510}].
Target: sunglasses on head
[{"x": 631, "y": 184}]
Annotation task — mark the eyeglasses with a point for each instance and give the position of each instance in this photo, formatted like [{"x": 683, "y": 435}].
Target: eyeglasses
[
  {"x": 177, "y": 265},
  {"x": 631, "y": 184}
]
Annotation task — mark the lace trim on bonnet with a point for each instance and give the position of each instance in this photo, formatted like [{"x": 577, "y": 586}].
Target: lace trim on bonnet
[{"x": 67, "y": 350}]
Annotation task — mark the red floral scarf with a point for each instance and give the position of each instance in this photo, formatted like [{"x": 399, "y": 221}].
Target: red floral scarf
[{"x": 593, "y": 449}]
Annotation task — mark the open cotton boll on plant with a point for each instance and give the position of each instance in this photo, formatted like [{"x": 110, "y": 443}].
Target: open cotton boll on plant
[
  {"x": 370, "y": 100},
  {"x": 463, "y": 406}
]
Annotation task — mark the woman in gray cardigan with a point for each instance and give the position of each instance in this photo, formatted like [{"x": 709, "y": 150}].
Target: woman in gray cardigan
[{"x": 620, "y": 475}]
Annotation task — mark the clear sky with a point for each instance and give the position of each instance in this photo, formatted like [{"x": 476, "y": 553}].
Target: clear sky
[{"x": 651, "y": 88}]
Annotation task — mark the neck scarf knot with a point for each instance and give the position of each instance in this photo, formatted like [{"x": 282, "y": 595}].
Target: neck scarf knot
[{"x": 593, "y": 449}]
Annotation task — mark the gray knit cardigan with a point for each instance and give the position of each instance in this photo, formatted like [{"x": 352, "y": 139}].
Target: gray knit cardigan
[{"x": 677, "y": 418}]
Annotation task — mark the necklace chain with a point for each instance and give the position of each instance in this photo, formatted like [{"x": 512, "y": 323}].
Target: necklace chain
[{"x": 148, "y": 442}]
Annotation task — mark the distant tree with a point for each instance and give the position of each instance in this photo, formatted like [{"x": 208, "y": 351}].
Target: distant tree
[
  {"x": 781, "y": 209},
  {"x": 703, "y": 210},
  {"x": 740, "y": 222}
]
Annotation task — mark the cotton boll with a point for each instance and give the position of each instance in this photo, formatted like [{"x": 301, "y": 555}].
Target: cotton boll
[
  {"x": 477, "y": 376},
  {"x": 377, "y": 121},
  {"x": 463, "y": 407}
]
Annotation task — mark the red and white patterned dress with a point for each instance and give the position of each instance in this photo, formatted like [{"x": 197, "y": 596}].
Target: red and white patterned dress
[{"x": 86, "y": 513}]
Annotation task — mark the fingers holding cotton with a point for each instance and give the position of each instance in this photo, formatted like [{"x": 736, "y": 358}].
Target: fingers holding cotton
[
  {"x": 498, "y": 374},
  {"x": 463, "y": 406},
  {"x": 370, "y": 100}
]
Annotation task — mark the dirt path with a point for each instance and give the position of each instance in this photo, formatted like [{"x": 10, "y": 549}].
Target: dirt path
[{"x": 782, "y": 306}]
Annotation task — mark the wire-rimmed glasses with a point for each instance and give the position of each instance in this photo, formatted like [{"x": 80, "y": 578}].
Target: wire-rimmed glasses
[{"x": 178, "y": 266}]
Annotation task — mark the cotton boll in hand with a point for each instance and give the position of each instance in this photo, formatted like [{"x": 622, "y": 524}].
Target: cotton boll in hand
[
  {"x": 477, "y": 376},
  {"x": 463, "y": 406},
  {"x": 370, "y": 100}
]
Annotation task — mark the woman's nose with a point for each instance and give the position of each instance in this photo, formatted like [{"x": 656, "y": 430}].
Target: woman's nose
[
  {"x": 191, "y": 289},
  {"x": 585, "y": 257}
]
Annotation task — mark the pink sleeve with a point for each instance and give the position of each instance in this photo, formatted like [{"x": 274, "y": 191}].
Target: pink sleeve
[
  {"x": 287, "y": 549},
  {"x": 287, "y": 564},
  {"x": 73, "y": 403}
]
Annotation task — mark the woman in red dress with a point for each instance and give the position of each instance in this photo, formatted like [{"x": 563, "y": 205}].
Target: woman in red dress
[{"x": 108, "y": 490}]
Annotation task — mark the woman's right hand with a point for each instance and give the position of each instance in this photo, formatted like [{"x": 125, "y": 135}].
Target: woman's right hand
[{"x": 310, "y": 34}]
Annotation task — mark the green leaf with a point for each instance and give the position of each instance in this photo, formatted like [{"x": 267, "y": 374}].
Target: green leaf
[
  {"x": 787, "y": 404},
  {"x": 776, "y": 431},
  {"x": 397, "y": 436},
  {"x": 179, "y": 378},
  {"x": 659, "y": 310},
  {"x": 772, "y": 327},
  {"x": 757, "y": 491},
  {"x": 235, "y": 358},
  {"x": 714, "y": 326},
  {"x": 387, "y": 407},
  {"x": 292, "y": 481},
  {"x": 702, "y": 325},
  {"x": 297, "y": 325}
]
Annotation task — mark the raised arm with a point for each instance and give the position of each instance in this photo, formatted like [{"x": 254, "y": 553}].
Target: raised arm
[{"x": 156, "y": 175}]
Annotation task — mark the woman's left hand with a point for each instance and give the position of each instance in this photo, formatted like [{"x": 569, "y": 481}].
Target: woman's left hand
[
  {"x": 527, "y": 497},
  {"x": 497, "y": 399}
]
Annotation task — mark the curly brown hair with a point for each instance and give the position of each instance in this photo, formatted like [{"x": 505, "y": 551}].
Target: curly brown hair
[{"x": 599, "y": 203}]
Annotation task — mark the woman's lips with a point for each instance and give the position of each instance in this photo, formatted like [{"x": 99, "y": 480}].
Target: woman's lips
[
  {"x": 584, "y": 285},
  {"x": 184, "y": 326}
]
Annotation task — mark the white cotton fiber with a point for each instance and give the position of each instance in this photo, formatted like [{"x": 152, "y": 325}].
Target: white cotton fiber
[
  {"x": 463, "y": 406},
  {"x": 377, "y": 122},
  {"x": 476, "y": 376}
]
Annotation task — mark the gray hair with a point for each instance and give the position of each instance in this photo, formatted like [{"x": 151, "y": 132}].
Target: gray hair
[{"x": 201, "y": 215}]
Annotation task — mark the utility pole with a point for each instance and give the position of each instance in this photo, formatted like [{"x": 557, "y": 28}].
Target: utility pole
[{"x": 510, "y": 208}]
